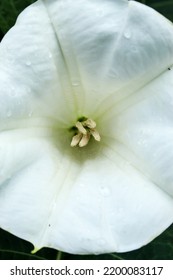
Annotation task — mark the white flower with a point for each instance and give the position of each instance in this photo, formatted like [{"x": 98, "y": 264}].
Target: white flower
[{"x": 65, "y": 62}]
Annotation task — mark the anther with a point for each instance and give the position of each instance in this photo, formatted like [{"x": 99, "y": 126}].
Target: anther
[
  {"x": 76, "y": 139},
  {"x": 84, "y": 141},
  {"x": 95, "y": 134},
  {"x": 89, "y": 123},
  {"x": 81, "y": 128},
  {"x": 85, "y": 129}
]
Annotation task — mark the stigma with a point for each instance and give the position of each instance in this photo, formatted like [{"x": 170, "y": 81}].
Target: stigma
[{"x": 84, "y": 130}]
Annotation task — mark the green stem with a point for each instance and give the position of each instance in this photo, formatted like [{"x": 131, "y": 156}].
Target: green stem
[
  {"x": 59, "y": 255},
  {"x": 116, "y": 256}
]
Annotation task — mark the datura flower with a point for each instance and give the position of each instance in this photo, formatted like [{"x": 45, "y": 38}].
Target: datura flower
[{"x": 86, "y": 125}]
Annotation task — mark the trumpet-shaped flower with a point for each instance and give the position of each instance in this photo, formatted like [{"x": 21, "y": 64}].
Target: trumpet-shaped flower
[{"x": 86, "y": 125}]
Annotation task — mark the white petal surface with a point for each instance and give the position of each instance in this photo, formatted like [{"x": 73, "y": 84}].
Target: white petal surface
[
  {"x": 92, "y": 54},
  {"x": 144, "y": 126},
  {"x": 100, "y": 204},
  {"x": 33, "y": 76},
  {"x": 118, "y": 214},
  {"x": 111, "y": 48}
]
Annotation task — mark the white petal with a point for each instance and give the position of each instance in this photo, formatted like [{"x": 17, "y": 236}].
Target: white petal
[
  {"x": 145, "y": 128},
  {"x": 79, "y": 205},
  {"x": 76, "y": 205},
  {"x": 28, "y": 168},
  {"x": 111, "y": 47},
  {"x": 33, "y": 76},
  {"x": 111, "y": 209},
  {"x": 84, "y": 59}
]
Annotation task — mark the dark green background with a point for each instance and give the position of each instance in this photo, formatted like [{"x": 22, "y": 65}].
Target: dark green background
[{"x": 12, "y": 247}]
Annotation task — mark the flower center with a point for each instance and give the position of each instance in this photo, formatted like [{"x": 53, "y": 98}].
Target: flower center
[{"x": 84, "y": 129}]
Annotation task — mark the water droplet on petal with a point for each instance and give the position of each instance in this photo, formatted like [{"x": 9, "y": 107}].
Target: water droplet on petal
[
  {"x": 112, "y": 73},
  {"x": 50, "y": 55},
  {"x": 75, "y": 83},
  {"x": 28, "y": 63},
  {"x": 9, "y": 114},
  {"x": 12, "y": 92},
  {"x": 30, "y": 114},
  {"x": 127, "y": 34}
]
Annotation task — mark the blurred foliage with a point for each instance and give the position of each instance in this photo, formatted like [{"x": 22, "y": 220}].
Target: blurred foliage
[
  {"x": 12, "y": 247},
  {"x": 9, "y": 10}
]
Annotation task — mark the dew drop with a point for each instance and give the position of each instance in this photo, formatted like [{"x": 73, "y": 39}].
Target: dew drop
[
  {"x": 9, "y": 114},
  {"x": 30, "y": 114},
  {"x": 28, "y": 63},
  {"x": 12, "y": 92},
  {"x": 142, "y": 142},
  {"x": 50, "y": 55},
  {"x": 127, "y": 34},
  {"x": 113, "y": 74},
  {"x": 75, "y": 83}
]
